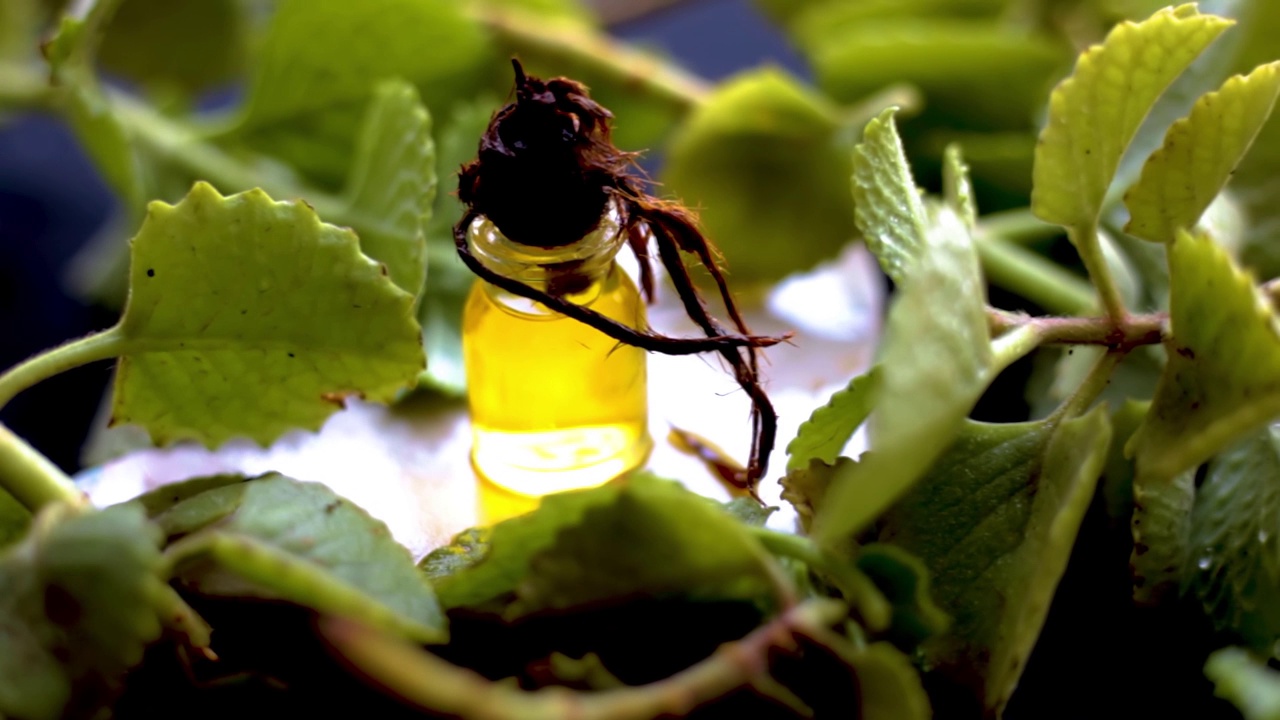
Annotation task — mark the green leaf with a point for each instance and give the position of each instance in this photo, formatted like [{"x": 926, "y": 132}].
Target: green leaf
[
  {"x": 1246, "y": 682},
  {"x": 655, "y": 538},
  {"x": 1234, "y": 539},
  {"x": 763, "y": 160},
  {"x": 748, "y": 511},
  {"x": 467, "y": 549},
  {"x": 888, "y": 208},
  {"x": 975, "y": 74},
  {"x": 997, "y": 517},
  {"x": 320, "y": 59},
  {"x": 183, "y": 47},
  {"x": 904, "y": 581},
  {"x": 1095, "y": 113},
  {"x": 826, "y": 432},
  {"x": 1223, "y": 375},
  {"x": 513, "y": 544},
  {"x": 935, "y": 363},
  {"x": 393, "y": 183},
  {"x": 1161, "y": 525},
  {"x": 806, "y": 488},
  {"x": 1199, "y": 155},
  {"x": 19, "y": 28},
  {"x": 251, "y": 317},
  {"x": 958, "y": 187},
  {"x": 889, "y": 688},
  {"x": 303, "y": 543},
  {"x": 78, "y": 604}
]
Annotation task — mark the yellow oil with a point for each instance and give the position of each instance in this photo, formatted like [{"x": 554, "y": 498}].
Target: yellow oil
[{"x": 555, "y": 405}]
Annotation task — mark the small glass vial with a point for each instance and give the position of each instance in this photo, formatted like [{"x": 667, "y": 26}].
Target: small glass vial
[{"x": 555, "y": 404}]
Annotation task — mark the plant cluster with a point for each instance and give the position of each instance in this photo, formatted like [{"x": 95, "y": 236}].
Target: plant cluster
[{"x": 924, "y": 570}]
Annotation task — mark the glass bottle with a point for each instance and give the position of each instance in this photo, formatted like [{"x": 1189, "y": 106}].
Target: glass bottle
[{"x": 555, "y": 404}]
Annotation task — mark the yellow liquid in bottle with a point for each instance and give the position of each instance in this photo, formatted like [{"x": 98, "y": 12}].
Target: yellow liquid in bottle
[{"x": 555, "y": 405}]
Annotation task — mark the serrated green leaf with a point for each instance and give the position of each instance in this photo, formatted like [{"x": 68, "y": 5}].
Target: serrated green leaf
[
  {"x": 997, "y": 516},
  {"x": 763, "y": 160},
  {"x": 465, "y": 550},
  {"x": 1233, "y": 566},
  {"x": 185, "y": 47},
  {"x": 655, "y": 538},
  {"x": 935, "y": 363},
  {"x": 1223, "y": 375},
  {"x": 1161, "y": 525},
  {"x": 251, "y": 317},
  {"x": 806, "y": 488},
  {"x": 166, "y": 497},
  {"x": 749, "y": 511},
  {"x": 829, "y": 428},
  {"x": 1095, "y": 113},
  {"x": 957, "y": 187},
  {"x": 78, "y": 603},
  {"x": 1199, "y": 155},
  {"x": 319, "y": 60},
  {"x": 888, "y": 208},
  {"x": 512, "y": 545},
  {"x": 1246, "y": 682},
  {"x": 393, "y": 182},
  {"x": 303, "y": 543}
]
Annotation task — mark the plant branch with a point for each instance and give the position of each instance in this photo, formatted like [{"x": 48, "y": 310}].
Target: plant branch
[
  {"x": 1033, "y": 277},
  {"x": 583, "y": 48},
  {"x": 1087, "y": 244},
  {"x": 1134, "y": 331},
  {"x": 31, "y": 478},
  {"x": 1019, "y": 226},
  {"x": 98, "y": 346},
  {"x": 432, "y": 683}
]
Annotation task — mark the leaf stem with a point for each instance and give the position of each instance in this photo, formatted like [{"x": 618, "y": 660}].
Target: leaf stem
[
  {"x": 578, "y": 47},
  {"x": 1087, "y": 244},
  {"x": 1094, "y": 383},
  {"x": 1135, "y": 331},
  {"x": 91, "y": 348},
  {"x": 1033, "y": 277},
  {"x": 1013, "y": 346},
  {"x": 31, "y": 478}
]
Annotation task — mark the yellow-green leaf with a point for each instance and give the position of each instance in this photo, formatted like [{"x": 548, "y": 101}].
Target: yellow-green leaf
[
  {"x": 887, "y": 205},
  {"x": 1199, "y": 155},
  {"x": 1094, "y": 113},
  {"x": 251, "y": 317},
  {"x": 935, "y": 363},
  {"x": 1223, "y": 375},
  {"x": 830, "y": 427}
]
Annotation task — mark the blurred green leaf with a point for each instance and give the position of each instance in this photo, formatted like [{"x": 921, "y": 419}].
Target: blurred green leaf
[
  {"x": 997, "y": 517},
  {"x": 440, "y": 311},
  {"x": 829, "y": 428},
  {"x": 1222, "y": 379},
  {"x": 972, "y": 73},
  {"x": 185, "y": 46},
  {"x": 1161, "y": 526},
  {"x": 935, "y": 363},
  {"x": 748, "y": 511},
  {"x": 15, "y": 519},
  {"x": 320, "y": 60},
  {"x": 19, "y": 30},
  {"x": 763, "y": 161},
  {"x": 1199, "y": 154},
  {"x": 806, "y": 487},
  {"x": 251, "y": 317},
  {"x": 1234, "y": 540},
  {"x": 303, "y": 543},
  {"x": 655, "y": 538},
  {"x": 903, "y": 579},
  {"x": 889, "y": 686},
  {"x": 78, "y": 604},
  {"x": 1095, "y": 113},
  {"x": 1246, "y": 682},
  {"x": 393, "y": 183}
]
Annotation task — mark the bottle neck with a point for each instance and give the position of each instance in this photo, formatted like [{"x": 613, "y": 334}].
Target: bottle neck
[{"x": 566, "y": 270}]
